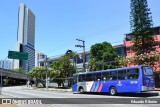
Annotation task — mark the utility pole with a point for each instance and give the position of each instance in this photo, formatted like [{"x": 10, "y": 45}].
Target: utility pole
[
  {"x": 28, "y": 79},
  {"x": 46, "y": 72},
  {"x": 84, "y": 56}
]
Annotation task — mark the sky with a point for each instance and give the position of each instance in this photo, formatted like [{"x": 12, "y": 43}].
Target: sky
[{"x": 60, "y": 22}]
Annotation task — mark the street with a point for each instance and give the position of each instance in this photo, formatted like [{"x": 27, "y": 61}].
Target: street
[{"x": 65, "y": 99}]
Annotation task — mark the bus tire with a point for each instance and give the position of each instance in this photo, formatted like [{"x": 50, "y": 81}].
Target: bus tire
[
  {"x": 81, "y": 90},
  {"x": 113, "y": 91}
]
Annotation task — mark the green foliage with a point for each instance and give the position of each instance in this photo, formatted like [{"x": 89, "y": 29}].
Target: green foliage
[
  {"x": 141, "y": 26},
  {"x": 63, "y": 68},
  {"x": 149, "y": 59},
  {"x": 6, "y": 81},
  {"x": 122, "y": 62},
  {"x": 19, "y": 70},
  {"x": 37, "y": 72},
  {"x": 102, "y": 56}
]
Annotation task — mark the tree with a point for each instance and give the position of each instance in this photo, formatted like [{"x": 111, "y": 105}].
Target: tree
[
  {"x": 102, "y": 56},
  {"x": 39, "y": 74},
  {"x": 122, "y": 61},
  {"x": 63, "y": 68},
  {"x": 55, "y": 72},
  {"x": 19, "y": 70},
  {"x": 141, "y": 27}
]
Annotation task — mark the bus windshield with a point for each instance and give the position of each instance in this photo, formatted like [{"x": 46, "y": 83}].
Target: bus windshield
[{"x": 148, "y": 71}]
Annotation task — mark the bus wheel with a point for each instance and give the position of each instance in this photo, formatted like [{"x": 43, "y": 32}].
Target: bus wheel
[
  {"x": 113, "y": 91},
  {"x": 81, "y": 90}
]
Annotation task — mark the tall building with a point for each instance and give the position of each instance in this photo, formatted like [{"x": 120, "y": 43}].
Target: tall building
[
  {"x": 8, "y": 64},
  {"x": 38, "y": 56},
  {"x": 25, "y": 37}
]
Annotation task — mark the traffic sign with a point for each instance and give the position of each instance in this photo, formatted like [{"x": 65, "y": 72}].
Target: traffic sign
[{"x": 18, "y": 55}]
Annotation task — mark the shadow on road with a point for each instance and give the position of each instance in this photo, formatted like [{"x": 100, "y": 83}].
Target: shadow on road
[
  {"x": 151, "y": 94},
  {"x": 144, "y": 94}
]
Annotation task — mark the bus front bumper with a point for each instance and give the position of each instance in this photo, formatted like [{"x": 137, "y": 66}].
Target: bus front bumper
[{"x": 144, "y": 88}]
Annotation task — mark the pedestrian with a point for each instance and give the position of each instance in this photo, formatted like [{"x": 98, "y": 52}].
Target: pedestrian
[
  {"x": 27, "y": 83},
  {"x": 31, "y": 83}
]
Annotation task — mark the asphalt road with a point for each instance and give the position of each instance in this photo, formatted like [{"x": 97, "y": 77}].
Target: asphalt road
[{"x": 68, "y": 99}]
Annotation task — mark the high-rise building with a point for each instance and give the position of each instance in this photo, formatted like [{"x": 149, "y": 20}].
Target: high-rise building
[
  {"x": 38, "y": 56},
  {"x": 8, "y": 64},
  {"x": 25, "y": 37}
]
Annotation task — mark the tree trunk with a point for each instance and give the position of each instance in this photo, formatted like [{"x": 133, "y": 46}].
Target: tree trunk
[
  {"x": 62, "y": 83},
  {"x": 36, "y": 82}
]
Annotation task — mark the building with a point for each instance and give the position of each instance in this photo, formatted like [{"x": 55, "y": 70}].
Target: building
[
  {"x": 78, "y": 60},
  {"x": 25, "y": 37},
  {"x": 128, "y": 44},
  {"x": 8, "y": 64},
  {"x": 122, "y": 50},
  {"x": 38, "y": 56}
]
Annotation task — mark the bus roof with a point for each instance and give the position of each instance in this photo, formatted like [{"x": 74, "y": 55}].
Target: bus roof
[{"x": 110, "y": 69}]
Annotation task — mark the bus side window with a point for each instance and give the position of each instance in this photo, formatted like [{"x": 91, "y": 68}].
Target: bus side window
[
  {"x": 96, "y": 76},
  {"x": 122, "y": 74},
  {"x": 81, "y": 78},
  {"x": 113, "y": 75},
  {"x": 105, "y": 76},
  {"x": 133, "y": 73},
  {"x": 89, "y": 77},
  {"x": 136, "y": 76},
  {"x": 110, "y": 78},
  {"x": 74, "y": 79}
]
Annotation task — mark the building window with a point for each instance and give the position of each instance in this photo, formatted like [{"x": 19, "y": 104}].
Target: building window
[
  {"x": 128, "y": 50},
  {"x": 128, "y": 37}
]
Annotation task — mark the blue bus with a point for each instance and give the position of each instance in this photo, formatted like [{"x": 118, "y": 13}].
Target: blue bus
[{"x": 119, "y": 80}]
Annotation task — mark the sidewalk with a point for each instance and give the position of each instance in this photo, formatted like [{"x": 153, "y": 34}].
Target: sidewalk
[
  {"x": 54, "y": 89},
  {"x": 49, "y": 89},
  {"x": 5, "y": 96},
  {"x": 61, "y": 89}
]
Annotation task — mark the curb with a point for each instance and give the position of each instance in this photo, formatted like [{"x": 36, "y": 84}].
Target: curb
[
  {"x": 53, "y": 90},
  {"x": 50, "y": 89},
  {"x": 157, "y": 89}
]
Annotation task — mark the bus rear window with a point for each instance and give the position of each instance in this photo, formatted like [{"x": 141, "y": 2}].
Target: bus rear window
[{"x": 148, "y": 70}]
